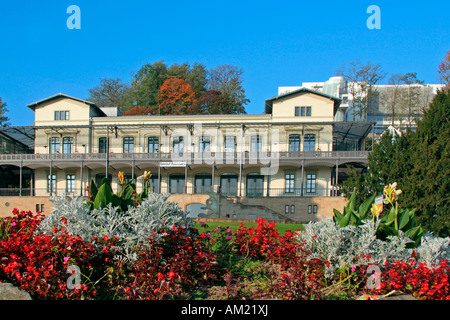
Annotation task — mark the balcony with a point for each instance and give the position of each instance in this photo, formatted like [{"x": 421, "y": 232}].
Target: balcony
[
  {"x": 208, "y": 158},
  {"x": 225, "y": 192}
]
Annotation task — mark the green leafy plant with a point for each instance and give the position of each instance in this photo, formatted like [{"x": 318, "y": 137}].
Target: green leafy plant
[
  {"x": 5, "y": 228},
  {"x": 399, "y": 219},
  {"x": 391, "y": 224},
  {"x": 351, "y": 216},
  {"x": 99, "y": 198}
]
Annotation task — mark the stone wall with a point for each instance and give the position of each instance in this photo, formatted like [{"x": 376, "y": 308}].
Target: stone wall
[
  {"x": 300, "y": 209},
  {"x": 7, "y": 204}
]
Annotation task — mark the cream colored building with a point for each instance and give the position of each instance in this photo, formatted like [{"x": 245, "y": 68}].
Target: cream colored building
[{"x": 291, "y": 156}]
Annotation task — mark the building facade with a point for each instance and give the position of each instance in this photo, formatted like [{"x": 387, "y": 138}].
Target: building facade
[
  {"x": 396, "y": 105},
  {"x": 283, "y": 164}
]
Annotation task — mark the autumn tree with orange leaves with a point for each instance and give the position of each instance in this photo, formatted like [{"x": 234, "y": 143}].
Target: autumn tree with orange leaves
[
  {"x": 176, "y": 96},
  {"x": 139, "y": 110}
]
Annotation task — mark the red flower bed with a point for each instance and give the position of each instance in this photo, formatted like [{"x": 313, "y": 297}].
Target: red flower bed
[
  {"x": 38, "y": 263},
  {"x": 264, "y": 242},
  {"x": 420, "y": 280},
  {"x": 177, "y": 264},
  {"x": 183, "y": 262}
]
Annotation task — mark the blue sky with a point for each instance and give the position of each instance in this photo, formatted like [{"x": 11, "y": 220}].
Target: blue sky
[{"x": 277, "y": 43}]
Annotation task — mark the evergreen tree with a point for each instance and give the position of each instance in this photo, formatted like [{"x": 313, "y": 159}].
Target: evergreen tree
[
  {"x": 388, "y": 163},
  {"x": 428, "y": 185},
  {"x": 419, "y": 162}
]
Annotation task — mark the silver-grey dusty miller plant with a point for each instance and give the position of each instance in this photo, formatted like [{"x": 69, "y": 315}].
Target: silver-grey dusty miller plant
[
  {"x": 345, "y": 246},
  {"x": 132, "y": 227}
]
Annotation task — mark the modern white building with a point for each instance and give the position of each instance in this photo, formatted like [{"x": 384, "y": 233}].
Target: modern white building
[{"x": 395, "y": 105}]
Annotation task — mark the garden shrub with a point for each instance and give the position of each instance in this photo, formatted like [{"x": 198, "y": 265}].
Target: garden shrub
[
  {"x": 355, "y": 245},
  {"x": 132, "y": 227}
]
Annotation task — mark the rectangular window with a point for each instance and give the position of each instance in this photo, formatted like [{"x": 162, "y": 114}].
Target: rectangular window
[
  {"x": 178, "y": 144},
  {"x": 42, "y": 207},
  {"x": 154, "y": 183},
  {"x": 54, "y": 145},
  {"x": 51, "y": 183},
  {"x": 255, "y": 143},
  {"x": 305, "y": 111},
  {"x": 310, "y": 209},
  {"x": 230, "y": 143},
  {"x": 310, "y": 183},
  {"x": 229, "y": 184},
  {"x": 61, "y": 115},
  {"x": 294, "y": 143},
  {"x": 128, "y": 144},
  {"x": 177, "y": 184},
  {"x": 289, "y": 183},
  {"x": 292, "y": 209},
  {"x": 315, "y": 209},
  {"x": 204, "y": 143},
  {"x": 70, "y": 183},
  {"x": 102, "y": 145},
  {"x": 310, "y": 142},
  {"x": 286, "y": 209},
  {"x": 38, "y": 207},
  {"x": 153, "y": 144},
  {"x": 202, "y": 183},
  {"x": 297, "y": 111},
  {"x": 67, "y": 145}
]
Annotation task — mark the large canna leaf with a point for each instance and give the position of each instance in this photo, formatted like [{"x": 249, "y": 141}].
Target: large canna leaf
[
  {"x": 104, "y": 196},
  {"x": 345, "y": 221},
  {"x": 403, "y": 219},
  {"x": 126, "y": 198},
  {"x": 93, "y": 189},
  {"x": 364, "y": 208},
  {"x": 337, "y": 216},
  {"x": 352, "y": 202},
  {"x": 415, "y": 234}
]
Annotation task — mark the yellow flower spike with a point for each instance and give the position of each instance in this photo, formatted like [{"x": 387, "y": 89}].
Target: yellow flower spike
[
  {"x": 390, "y": 193},
  {"x": 147, "y": 175},
  {"x": 376, "y": 209},
  {"x": 121, "y": 178}
]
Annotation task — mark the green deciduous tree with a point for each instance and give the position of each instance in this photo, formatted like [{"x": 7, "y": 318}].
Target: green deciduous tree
[
  {"x": 219, "y": 90},
  {"x": 110, "y": 93},
  {"x": 228, "y": 80},
  {"x": 146, "y": 82}
]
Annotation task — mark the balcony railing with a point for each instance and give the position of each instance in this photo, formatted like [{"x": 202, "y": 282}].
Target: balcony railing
[
  {"x": 188, "y": 156},
  {"x": 226, "y": 192}
]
